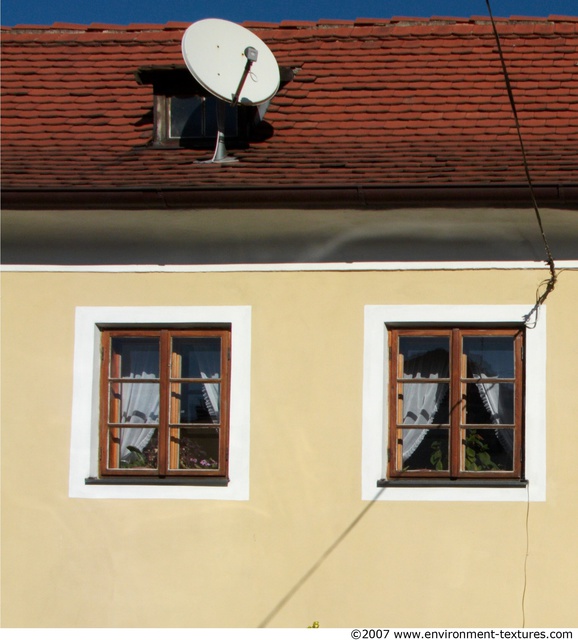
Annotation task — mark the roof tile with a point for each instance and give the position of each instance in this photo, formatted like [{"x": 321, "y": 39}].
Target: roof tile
[
  {"x": 555, "y": 18},
  {"x": 375, "y": 101}
]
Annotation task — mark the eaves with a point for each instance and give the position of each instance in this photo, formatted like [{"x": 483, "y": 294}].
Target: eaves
[{"x": 310, "y": 197}]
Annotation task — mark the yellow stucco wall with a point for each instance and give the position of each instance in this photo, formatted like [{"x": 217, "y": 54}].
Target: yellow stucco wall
[{"x": 180, "y": 563}]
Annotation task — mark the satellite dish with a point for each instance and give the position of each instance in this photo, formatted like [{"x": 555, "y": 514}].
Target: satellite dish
[
  {"x": 219, "y": 53},
  {"x": 232, "y": 64}
]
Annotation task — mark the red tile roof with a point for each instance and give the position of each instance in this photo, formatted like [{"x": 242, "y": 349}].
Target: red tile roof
[{"x": 374, "y": 103}]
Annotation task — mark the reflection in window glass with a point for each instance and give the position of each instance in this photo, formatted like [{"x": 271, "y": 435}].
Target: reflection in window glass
[
  {"x": 198, "y": 357},
  {"x": 187, "y": 117},
  {"x": 424, "y": 357},
  {"x": 489, "y": 356},
  {"x": 196, "y": 117},
  {"x": 195, "y": 403},
  {"x": 139, "y": 357}
]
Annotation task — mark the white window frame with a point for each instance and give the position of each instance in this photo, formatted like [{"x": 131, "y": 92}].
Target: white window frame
[
  {"x": 85, "y": 401},
  {"x": 375, "y": 399}
]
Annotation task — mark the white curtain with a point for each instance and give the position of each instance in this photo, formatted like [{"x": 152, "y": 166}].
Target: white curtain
[
  {"x": 421, "y": 401},
  {"x": 209, "y": 362},
  {"x": 140, "y": 402},
  {"x": 498, "y": 401}
]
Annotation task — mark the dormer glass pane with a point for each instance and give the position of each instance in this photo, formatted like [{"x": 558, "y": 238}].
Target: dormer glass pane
[
  {"x": 186, "y": 117},
  {"x": 196, "y": 117}
]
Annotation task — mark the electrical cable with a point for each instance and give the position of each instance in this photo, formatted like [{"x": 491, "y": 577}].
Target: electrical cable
[
  {"x": 527, "y": 553},
  {"x": 551, "y": 282}
]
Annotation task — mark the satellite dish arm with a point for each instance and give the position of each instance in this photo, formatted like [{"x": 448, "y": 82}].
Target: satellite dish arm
[{"x": 251, "y": 54}]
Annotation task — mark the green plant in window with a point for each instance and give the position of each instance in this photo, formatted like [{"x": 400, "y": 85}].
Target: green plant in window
[
  {"x": 137, "y": 458},
  {"x": 141, "y": 458},
  {"x": 477, "y": 453},
  {"x": 437, "y": 459}
]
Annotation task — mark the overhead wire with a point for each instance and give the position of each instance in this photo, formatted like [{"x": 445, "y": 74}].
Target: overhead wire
[{"x": 551, "y": 282}]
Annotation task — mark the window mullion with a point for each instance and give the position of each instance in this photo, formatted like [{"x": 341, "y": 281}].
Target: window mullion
[
  {"x": 162, "y": 115},
  {"x": 165, "y": 343},
  {"x": 456, "y": 403}
]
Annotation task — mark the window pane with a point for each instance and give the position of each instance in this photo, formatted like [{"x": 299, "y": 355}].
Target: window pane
[
  {"x": 425, "y": 449},
  {"x": 195, "y": 402},
  {"x": 139, "y": 358},
  {"x": 196, "y": 117},
  {"x": 490, "y": 403},
  {"x": 489, "y": 357},
  {"x": 138, "y": 448},
  {"x": 488, "y": 450},
  {"x": 424, "y": 357},
  {"x": 197, "y": 358},
  {"x": 186, "y": 117},
  {"x": 424, "y": 403},
  {"x": 197, "y": 449},
  {"x": 134, "y": 402}
]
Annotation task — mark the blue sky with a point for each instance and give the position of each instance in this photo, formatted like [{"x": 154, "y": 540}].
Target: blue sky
[{"x": 161, "y": 11}]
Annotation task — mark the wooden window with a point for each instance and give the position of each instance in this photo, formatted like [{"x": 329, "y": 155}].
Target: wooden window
[
  {"x": 164, "y": 408},
  {"x": 456, "y": 404},
  {"x": 186, "y": 115}
]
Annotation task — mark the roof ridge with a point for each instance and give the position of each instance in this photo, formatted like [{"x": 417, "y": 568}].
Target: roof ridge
[
  {"x": 94, "y": 27},
  {"x": 324, "y": 23}
]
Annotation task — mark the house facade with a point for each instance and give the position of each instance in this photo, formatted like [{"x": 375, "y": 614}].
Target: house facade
[{"x": 330, "y": 378}]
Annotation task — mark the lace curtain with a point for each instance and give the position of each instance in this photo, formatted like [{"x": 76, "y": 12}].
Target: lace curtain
[
  {"x": 421, "y": 401},
  {"x": 140, "y": 402}
]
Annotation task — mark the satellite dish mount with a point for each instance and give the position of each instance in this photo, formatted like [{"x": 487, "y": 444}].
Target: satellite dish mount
[{"x": 220, "y": 153}]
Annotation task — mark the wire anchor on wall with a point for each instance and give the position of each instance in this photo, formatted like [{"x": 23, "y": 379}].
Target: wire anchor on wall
[{"x": 551, "y": 282}]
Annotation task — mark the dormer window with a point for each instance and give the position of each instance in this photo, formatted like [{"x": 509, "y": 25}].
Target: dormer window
[{"x": 185, "y": 114}]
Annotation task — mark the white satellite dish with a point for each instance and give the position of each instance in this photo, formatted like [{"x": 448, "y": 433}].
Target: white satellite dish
[
  {"x": 217, "y": 53},
  {"x": 232, "y": 64}
]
